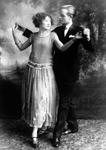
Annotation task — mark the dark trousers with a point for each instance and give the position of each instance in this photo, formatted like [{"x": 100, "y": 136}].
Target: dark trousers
[{"x": 66, "y": 111}]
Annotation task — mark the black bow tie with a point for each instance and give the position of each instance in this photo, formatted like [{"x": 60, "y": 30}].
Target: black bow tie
[{"x": 64, "y": 27}]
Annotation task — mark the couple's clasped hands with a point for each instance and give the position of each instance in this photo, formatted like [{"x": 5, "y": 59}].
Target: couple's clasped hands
[{"x": 79, "y": 35}]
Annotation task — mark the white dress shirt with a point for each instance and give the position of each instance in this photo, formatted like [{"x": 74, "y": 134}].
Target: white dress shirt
[{"x": 67, "y": 28}]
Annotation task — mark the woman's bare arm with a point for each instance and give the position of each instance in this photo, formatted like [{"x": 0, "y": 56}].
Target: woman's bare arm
[
  {"x": 18, "y": 42},
  {"x": 62, "y": 46}
]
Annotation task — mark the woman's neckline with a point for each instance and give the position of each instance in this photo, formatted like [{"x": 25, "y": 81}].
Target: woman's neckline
[{"x": 43, "y": 35}]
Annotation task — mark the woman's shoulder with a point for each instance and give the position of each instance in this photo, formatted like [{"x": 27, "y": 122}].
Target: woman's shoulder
[
  {"x": 53, "y": 35},
  {"x": 32, "y": 36}
]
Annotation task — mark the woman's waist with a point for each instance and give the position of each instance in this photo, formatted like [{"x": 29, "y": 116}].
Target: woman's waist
[
  {"x": 33, "y": 64},
  {"x": 41, "y": 59}
]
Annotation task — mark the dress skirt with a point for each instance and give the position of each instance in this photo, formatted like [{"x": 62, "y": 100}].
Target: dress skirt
[{"x": 39, "y": 95}]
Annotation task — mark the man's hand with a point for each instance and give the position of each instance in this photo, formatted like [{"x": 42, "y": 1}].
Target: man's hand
[{"x": 87, "y": 33}]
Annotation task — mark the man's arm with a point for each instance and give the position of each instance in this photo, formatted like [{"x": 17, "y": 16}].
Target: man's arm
[
  {"x": 88, "y": 45},
  {"x": 26, "y": 32}
]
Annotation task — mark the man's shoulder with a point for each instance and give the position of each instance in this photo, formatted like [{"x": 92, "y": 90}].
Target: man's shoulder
[{"x": 76, "y": 27}]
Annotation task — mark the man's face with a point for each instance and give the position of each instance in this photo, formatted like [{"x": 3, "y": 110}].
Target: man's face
[{"x": 64, "y": 17}]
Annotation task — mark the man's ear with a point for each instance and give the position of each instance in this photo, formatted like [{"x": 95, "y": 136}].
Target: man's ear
[{"x": 71, "y": 16}]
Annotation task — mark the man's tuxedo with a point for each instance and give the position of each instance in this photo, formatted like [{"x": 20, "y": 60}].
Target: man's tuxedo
[
  {"x": 66, "y": 69},
  {"x": 67, "y": 63}
]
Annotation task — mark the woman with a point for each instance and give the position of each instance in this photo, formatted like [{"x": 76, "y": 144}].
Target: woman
[{"x": 39, "y": 87}]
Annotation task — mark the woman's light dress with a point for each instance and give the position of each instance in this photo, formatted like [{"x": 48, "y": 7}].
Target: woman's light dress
[{"x": 38, "y": 86}]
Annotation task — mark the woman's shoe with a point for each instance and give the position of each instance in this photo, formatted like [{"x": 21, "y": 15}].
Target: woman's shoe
[{"x": 35, "y": 142}]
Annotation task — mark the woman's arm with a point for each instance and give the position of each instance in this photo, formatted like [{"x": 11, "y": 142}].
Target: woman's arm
[
  {"x": 62, "y": 46},
  {"x": 18, "y": 42}
]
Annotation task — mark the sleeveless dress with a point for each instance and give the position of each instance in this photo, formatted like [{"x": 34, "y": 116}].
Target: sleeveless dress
[{"x": 38, "y": 86}]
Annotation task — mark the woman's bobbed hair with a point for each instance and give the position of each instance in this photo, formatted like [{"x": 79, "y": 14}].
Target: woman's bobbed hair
[{"x": 39, "y": 17}]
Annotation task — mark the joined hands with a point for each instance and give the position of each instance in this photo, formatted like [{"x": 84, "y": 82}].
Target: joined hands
[{"x": 80, "y": 34}]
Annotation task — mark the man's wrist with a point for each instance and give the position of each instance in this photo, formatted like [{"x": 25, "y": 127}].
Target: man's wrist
[
  {"x": 74, "y": 39},
  {"x": 21, "y": 28}
]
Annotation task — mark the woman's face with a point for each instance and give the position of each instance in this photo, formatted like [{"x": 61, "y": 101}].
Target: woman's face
[{"x": 46, "y": 23}]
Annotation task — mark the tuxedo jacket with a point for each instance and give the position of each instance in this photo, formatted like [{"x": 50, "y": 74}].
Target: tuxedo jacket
[{"x": 66, "y": 64}]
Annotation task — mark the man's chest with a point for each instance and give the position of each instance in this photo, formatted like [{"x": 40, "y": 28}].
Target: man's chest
[{"x": 70, "y": 33}]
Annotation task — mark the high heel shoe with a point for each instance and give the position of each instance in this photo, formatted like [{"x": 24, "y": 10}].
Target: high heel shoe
[{"x": 35, "y": 142}]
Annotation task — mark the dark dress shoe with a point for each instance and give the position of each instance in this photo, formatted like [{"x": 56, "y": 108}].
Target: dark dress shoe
[
  {"x": 74, "y": 130},
  {"x": 68, "y": 131},
  {"x": 56, "y": 142}
]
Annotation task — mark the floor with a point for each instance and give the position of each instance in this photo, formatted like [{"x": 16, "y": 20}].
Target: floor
[{"x": 16, "y": 135}]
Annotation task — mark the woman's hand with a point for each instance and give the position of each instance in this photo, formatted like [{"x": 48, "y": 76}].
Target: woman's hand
[
  {"x": 14, "y": 29},
  {"x": 78, "y": 35}
]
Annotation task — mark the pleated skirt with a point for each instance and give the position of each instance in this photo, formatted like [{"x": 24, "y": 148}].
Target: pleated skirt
[{"x": 39, "y": 95}]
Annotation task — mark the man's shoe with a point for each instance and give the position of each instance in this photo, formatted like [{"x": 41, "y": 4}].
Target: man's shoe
[
  {"x": 74, "y": 130},
  {"x": 56, "y": 142},
  {"x": 68, "y": 131}
]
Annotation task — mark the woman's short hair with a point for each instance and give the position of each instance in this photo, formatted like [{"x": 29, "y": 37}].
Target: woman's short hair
[
  {"x": 71, "y": 10},
  {"x": 39, "y": 17}
]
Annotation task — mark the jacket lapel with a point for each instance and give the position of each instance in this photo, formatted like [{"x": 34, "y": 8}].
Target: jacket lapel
[{"x": 70, "y": 31}]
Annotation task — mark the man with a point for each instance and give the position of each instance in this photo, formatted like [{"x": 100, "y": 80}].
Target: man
[{"x": 66, "y": 69}]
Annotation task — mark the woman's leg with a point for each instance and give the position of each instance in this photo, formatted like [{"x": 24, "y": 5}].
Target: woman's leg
[
  {"x": 34, "y": 132},
  {"x": 34, "y": 137}
]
